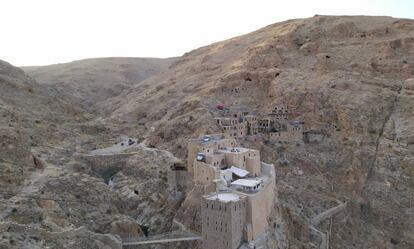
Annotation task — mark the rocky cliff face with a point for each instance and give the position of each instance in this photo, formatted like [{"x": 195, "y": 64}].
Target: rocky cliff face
[
  {"x": 347, "y": 77},
  {"x": 29, "y": 114},
  {"x": 52, "y": 197},
  {"x": 350, "y": 79}
]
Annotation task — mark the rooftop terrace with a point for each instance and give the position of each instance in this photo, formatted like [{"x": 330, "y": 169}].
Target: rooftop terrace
[
  {"x": 224, "y": 197},
  {"x": 233, "y": 150}
]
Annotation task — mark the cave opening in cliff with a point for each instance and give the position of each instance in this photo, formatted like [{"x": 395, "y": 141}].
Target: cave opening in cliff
[
  {"x": 108, "y": 174},
  {"x": 144, "y": 229}
]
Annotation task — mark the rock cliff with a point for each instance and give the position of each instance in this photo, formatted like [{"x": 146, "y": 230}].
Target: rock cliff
[{"x": 350, "y": 79}]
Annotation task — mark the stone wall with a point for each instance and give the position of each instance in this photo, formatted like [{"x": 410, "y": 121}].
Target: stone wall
[
  {"x": 197, "y": 145},
  {"x": 204, "y": 174},
  {"x": 260, "y": 205},
  {"x": 253, "y": 162},
  {"x": 222, "y": 223}
]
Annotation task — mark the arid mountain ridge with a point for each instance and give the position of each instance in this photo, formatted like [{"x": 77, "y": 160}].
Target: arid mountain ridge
[
  {"x": 94, "y": 80},
  {"x": 350, "y": 78}
]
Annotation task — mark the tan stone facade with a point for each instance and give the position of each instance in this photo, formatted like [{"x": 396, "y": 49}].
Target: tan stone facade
[
  {"x": 266, "y": 125},
  {"x": 277, "y": 124},
  {"x": 239, "y": 124},
  {"x": 252, "y": 124},
  {"x": 239, "y": 192},
  {"x": 223, "y": 221},
  {"x": 260, "y": 205},
  {"x": 215, "y": 160},
  {"x": 281, "y": 112},
  {"x": 206, "y": 144},
  {"x": 292, "y": 133}
]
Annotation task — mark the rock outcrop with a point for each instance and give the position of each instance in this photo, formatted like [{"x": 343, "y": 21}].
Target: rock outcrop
[{"x": 349, "y": 78}]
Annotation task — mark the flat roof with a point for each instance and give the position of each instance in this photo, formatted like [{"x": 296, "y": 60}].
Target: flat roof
[
  {"x": 238, "y": 172},
  {"x": 224, "y": 197},
  {"x": 246, "y": 183},
  {"x": 233, "y": 150}
]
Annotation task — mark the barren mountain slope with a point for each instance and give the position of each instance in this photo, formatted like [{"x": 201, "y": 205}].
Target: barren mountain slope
[
  {"x": 93, "y": 80},
  {"x": 29, "y": 114},
  {"x": 50, "y": 195},
  {"x": 348, "y": 77}
]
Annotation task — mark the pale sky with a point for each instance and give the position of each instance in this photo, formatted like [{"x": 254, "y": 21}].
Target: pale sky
[{"x": 40, "y": 32}]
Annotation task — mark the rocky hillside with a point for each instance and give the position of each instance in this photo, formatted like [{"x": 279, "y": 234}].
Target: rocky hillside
[
  {"x": 348, "y": 77},
  {"x": 29, "y": 114},
  {"x": 51, "y": 194},
  {"x": 93, "y": 80}
]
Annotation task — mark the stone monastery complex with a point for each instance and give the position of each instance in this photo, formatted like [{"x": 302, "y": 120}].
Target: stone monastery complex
[
  {"x": 277, "y": 125},
  {"x": 239, "y": 190}
]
